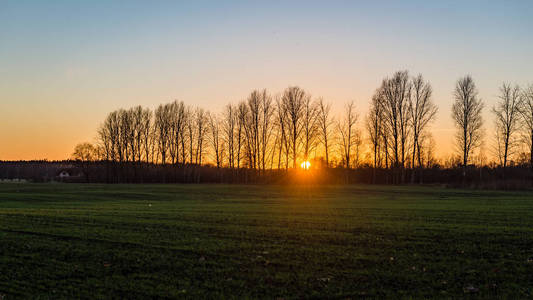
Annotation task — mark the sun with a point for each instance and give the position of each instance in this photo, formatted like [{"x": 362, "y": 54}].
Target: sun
[{"x": 305, "y": 165}]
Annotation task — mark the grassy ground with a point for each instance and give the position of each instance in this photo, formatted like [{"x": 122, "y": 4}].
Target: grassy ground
[{"x": 219, "y": 241}]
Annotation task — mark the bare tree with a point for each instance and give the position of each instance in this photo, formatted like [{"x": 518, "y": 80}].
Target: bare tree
[
  {"x": 385, "y": 139},
  {"x": 190, "y": 128},
  {"x": 426, "y": 148},
  {"x": 374, "y": 123},
  {"x": 173, "y": 145},
  {"x": 153, "y": 144},
  {"x": 358, "y": 148},
  {"x": 139, "y": 128},
  {"x": 242, "y": 111},
  {"x": 105, "y": 139},
  {"x": 184, "y": 135},
  {"x": 84, "y": 154},
  {"x": 216, "y": 139},
  {"x": 309, "y": 127},
  {"x": 245, "y": 117},
  {"x": 507, "y": 116},
  {"x": 266, "y": 128},
  {"x": 282, "y": 127},
  {"x": 347, "y": 133},
  {"x": 163, "y": 124},
  {"x": 251, "y": 127},
  {"x": 201, "y": 129},
  {"x": 422, "y": 111},
  {"x": 135, "y": 132},
  {"x": 108, "y": 135},
  {"x": 324, "y": 125},
  {"x": 395, "y": 96},
  {"x": 293, "y": 100},
  {"x": 177, "y": 126},
  {"x": 256, "y": 118},
  {"x": 466, "y": 113},
  {"x": 124, "y": 135},
  {"x": 146, "y": 135},
  {"x": 229, "y": 130},
  {"x": 526, "y": 110}
]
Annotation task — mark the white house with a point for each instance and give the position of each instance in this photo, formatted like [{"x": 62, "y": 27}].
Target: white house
[{"x": 64, "y": 174}]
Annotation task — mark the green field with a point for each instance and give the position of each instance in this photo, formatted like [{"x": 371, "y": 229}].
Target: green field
[{"x": 229, "y": 241}]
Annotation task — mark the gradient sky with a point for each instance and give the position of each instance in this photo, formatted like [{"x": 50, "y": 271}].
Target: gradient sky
[{"x": 65, "y": 64}]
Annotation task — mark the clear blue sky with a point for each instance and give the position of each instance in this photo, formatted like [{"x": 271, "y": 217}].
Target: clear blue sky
[{"x": 65, "y": 64}]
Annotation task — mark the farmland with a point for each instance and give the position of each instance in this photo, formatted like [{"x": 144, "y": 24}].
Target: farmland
[{"x": 236, "y": 241}]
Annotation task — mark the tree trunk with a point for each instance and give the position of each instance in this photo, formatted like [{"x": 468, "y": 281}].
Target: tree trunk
[{"x": 531, "y": 157}]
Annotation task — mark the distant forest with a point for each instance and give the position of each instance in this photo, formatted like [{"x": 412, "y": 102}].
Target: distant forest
[{"x": 292, "y": 136}]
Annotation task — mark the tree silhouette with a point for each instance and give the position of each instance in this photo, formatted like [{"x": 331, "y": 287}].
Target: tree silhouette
[{"x": 466, "y": 113}]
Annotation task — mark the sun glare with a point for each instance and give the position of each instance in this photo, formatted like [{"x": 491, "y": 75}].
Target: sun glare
[{"x": 305, "y": 165}]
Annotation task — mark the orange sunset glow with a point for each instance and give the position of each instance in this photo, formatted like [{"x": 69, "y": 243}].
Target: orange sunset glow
[{"x": 59, "y": 82}]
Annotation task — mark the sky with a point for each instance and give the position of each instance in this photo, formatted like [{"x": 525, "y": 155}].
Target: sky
[{"x": 64, "y": 65}]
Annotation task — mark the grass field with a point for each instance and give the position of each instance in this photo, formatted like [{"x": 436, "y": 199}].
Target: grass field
[{"x": 220, "y": 241}]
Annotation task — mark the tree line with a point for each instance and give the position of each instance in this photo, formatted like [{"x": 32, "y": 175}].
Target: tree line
[{"x": 282, "y": 131}]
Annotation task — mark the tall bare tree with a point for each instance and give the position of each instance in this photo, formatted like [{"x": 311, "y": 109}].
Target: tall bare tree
[
  {"x": 266, "y": 128},
  {"x": 526, "y": 110},
  {"x": 245, "y": 117},
  {"x": 466, "y": 113},
  {"x": 426, "y": 147},
  {"x": 374, "y": 124},
  {"x": 242, "y": 112},
  {"x": 201, "y": 130},
  {"x": 325, "y": 122},
  {"x": 136, "y": 124},
  {"x": 124, "y": 135},
  {"x": 184, "y": 136},
  {"x": 251, "y": 127},
  {"x": 190, "y": 128},
  {"x": 146, "y": 135},
  {"x": 217, "y": 142},
  {"x": 230, "y": 124},
  {"x": 395, "y": 96},
  {"x": 177, "y": 126},
  {"x": 347, "y": 133},
  {"x": 293, "y": 100},
  {"x": 422, "y": 111},
  {"x": 163, "y": 124},
  {"x": 106, "y": 138},
  {"x": 507, "y": 113},
  {"x": 309, "y": 127},
  {"x": 385, "y": 140},
  {"x": 358, "y": 148},
  {"x": 282, "y": 132}
]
